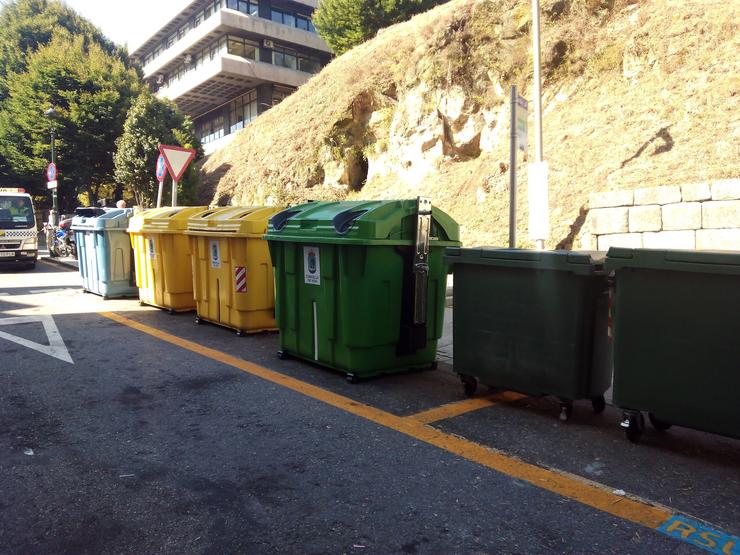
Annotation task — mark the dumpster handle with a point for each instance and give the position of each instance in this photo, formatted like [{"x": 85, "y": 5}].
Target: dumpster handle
[
  {"x": 280, "y": 220},
  {"x": 421, "y": 259},
  {"x": 344, "y": 220}
]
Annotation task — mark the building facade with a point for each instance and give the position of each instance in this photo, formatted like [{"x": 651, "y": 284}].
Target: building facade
[{"x": 224, "y": 62}]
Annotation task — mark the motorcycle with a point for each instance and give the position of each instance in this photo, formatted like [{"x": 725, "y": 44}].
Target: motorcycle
[
  {"x": 67, "y": 237},
  {"x": 60, "y": 240}
]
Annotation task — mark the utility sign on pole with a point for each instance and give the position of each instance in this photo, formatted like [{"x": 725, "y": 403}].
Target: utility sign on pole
[
  {"x": 51, "y": 176},
  {"x": 177, "y": 160},
  {"x": 522, "y": 107}
]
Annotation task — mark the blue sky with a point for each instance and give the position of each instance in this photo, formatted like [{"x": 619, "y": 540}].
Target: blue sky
[{"x": 129, "y": 21}]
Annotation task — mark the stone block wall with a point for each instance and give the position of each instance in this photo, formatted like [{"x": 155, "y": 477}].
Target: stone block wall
[{"x": 702, "y": 216}]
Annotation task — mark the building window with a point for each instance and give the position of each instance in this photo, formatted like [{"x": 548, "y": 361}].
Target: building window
[
  {"x": 243, "y": 47},
  {"x": 211, "y": 129},
  {"x": 248, "y": 7},
  {"x": 242, "y": 111},
  {"x": 302, "y": 22},
  {"x": 279, "y": 94},
  {"x": 293, "y": 20},
  {"x": 286, "y": 57}
]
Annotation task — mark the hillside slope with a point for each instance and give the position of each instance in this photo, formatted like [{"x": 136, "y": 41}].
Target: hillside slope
[{"x": 634, "y": 94}]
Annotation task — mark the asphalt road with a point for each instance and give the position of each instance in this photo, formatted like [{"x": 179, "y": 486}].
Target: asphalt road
[{"x": 161, "y": 436}]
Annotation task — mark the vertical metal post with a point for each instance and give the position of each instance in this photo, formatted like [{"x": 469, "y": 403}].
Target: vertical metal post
[
  {"x": 512, "y": 172},
  {"x": 54, "y": 199},
  {"x": 537, "y": 90},
  {"x": 174, "y": 193},
  {"x": 159, "y": 194}
]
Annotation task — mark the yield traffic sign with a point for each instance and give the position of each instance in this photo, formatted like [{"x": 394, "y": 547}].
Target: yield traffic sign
[{"x": 177, "y": 159}]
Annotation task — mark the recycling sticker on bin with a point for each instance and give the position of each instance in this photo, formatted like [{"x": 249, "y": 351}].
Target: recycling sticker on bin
[
  {"x": 152, "y": 250},
  {"x": 311, "y": 266},
  {"x": 215, "y": 254}
]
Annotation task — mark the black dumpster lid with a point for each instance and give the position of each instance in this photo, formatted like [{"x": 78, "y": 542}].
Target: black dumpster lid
[
  {"x": 710, "y": 262},
  {"x": 577, "y": 262}
]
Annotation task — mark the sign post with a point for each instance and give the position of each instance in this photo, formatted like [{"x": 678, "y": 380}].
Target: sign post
[
  {"x": 177, "y": 160},
  {"x": 161, "y": 174},
  {"x": 519, "y": 107}
]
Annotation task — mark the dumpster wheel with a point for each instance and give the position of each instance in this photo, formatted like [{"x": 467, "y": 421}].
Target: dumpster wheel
[
  {"x": 198, "y": 320},
  {"x": 282, "y": 355},
  {"x": 658, "y": 424},
  {"x": 353, "y": 378},
  {"x": 598, "y": 403},
  {"x": 566, "y": 409},
  {"x": 470, "y": 384},
  {"x": 633, "y": 423}
]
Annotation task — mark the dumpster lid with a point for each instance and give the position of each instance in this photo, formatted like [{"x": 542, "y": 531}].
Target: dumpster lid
[
  {"x": 378, "y": 222},
  {"x": 711, "y": 262},
  {"x": 577, "y": 262},
  {"x": 114, "y": 219},
  {"x": 232, "y": 221},
  {"x": 163, "y": 220}
]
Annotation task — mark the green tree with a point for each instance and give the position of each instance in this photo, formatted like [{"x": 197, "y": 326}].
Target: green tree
[
  {"x": 25, "y": 25},
  {"x": 91, "y": 92},
  {"x": 151, "y": 122},
  {"x": 344, "y": 24}
]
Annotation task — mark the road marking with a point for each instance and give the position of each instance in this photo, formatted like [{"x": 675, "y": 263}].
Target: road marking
[
  {"x": 56, "y": 347},
  {"x": 589, "y": 493},
  {"x": 699, "y": 535},
  {"x": 458, "y": 408},
  {"x": 42, "y": 291}
]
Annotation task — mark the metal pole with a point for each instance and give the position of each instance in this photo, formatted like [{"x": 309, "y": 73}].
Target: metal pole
[
  {"x": 512, "y": 172},
  {"x": 537, "y": 91},
  {"x": 159, "y": 194},
  {"x": 54, "y": 199},
  {"x": 174, "y": 193}
]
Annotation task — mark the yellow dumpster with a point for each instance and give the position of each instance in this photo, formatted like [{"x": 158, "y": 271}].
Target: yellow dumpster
[
  {"x": 232, "y": 272},
  {"x": 164, "y": 273}
]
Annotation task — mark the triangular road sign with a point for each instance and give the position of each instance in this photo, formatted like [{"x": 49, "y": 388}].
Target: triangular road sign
[
  {"x": 177, "y": 159},
  {"x": 56, "y": 347}
]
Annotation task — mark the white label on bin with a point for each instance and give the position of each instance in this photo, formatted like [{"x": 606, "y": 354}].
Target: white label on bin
[
  {"x": 152, "y": 251},
  {"x": 311, "y": 265},
  {"x": 215, "y": 254}
]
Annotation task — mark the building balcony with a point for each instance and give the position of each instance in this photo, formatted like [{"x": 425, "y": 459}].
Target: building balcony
[
  {"x": 227, "y": 21},
  {"x": 224, "y": 78}
]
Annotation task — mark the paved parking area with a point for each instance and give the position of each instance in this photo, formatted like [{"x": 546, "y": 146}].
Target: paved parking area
[{"x": 161, "y": 436}]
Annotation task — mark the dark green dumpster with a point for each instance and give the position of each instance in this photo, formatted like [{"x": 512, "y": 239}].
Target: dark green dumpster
[
  {"x": 360, "y": 286},
  {"x": 677, "y": 339},
  {"x": 533, "y": 322}
]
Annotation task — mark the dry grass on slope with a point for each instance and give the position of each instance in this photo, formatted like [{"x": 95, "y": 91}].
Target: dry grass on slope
[{"x": 637, "y": 95}]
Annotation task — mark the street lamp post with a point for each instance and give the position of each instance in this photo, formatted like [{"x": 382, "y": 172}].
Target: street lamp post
[{"x": 50, "y": 113}]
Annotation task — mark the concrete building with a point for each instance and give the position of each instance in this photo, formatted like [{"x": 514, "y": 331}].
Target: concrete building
[{"x": 224, "y": 62}]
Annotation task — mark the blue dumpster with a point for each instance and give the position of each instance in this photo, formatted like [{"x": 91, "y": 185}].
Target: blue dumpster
[{"x": 104, "y": 253}]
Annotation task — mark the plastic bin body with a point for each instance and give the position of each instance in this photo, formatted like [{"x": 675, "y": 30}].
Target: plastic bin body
[
  {"x": 104, "y": 253},
  {"x": 164, "y": 269},
  {"x": 345, "y": 300},
  {"x": 677, "y": 336},
  {"x": 233, "y": 280},
  {"x": 532, "y": 321}
]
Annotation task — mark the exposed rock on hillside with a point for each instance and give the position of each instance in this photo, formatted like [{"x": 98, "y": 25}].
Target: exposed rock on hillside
[{"x": 635, "y": 94}]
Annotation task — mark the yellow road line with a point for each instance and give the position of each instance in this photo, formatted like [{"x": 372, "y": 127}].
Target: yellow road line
[
  {"x": 458, "y": 408},
  {"x": 567, "y": 485}
]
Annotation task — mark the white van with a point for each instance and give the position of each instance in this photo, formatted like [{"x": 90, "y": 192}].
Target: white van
[{"x": 18, "y": 234}]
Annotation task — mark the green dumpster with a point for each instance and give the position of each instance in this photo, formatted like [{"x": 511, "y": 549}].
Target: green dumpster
[
  {"x": 360, "y": 286},
  {"x": 677, "y": 339},
  {"x": 533, "y": 322}
]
